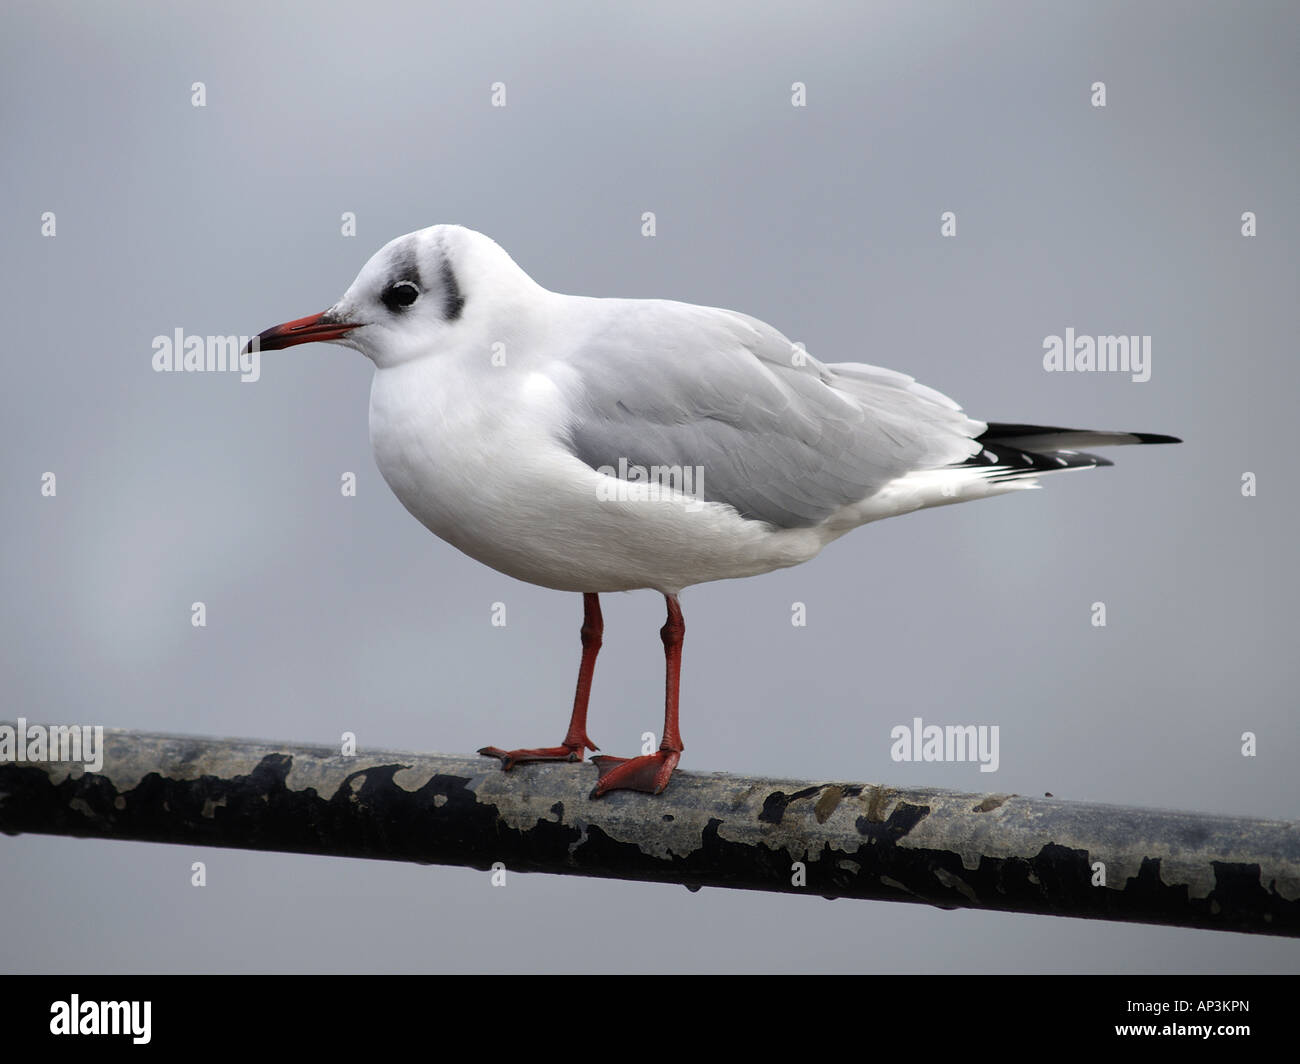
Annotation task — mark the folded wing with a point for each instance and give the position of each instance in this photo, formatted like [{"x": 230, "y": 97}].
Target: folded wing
[{"x": 776, "y": 434}]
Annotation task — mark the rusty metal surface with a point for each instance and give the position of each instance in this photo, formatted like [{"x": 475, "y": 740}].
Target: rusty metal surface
[{"x": 854, "y": 840}]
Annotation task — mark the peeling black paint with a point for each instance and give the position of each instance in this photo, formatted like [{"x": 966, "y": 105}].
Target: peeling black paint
[
  {"x": 369, "y": 815},
  {"x": 774, "y": 805},
  {"x": 902, "y": 820},
  {"x": 451, "y": 820},
  {"x": 773, "y": 811}
]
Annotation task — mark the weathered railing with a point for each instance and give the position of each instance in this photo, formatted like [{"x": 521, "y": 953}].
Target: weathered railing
[{"x": 833, "y": 838}]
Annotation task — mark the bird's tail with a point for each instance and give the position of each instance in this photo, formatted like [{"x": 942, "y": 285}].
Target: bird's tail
[
  {"x": 1013, "y": 452},
  {"x": 1010, "y": 458}
]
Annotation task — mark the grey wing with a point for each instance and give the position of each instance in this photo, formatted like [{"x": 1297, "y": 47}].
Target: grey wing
[{"x": 776, "y": 434}]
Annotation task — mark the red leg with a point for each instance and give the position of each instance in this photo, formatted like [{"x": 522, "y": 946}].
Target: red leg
[
  {"x": 651, "y": 772},
  {"x": 576, "y": 740}
]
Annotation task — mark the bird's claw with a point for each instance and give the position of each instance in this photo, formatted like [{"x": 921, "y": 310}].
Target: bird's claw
[
  {"x": 648, "y": 774},
  {"x": 510, "y": 758}
]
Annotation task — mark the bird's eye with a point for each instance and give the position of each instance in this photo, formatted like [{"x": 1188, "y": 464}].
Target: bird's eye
[{"x": 399, "y": 295}]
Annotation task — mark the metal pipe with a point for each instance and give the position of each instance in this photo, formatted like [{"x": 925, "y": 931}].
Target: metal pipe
[{"x": 833, "y": 839}]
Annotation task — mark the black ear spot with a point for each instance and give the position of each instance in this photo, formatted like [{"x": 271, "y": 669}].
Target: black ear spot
[
  {"x": 452, "y": 301},
  {"x": 400, "y": 295}
]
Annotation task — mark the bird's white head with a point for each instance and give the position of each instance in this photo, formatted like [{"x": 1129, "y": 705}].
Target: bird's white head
[{"x": 419, "y": 294}]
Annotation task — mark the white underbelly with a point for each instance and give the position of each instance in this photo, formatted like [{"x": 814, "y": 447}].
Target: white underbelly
[{"x": 489, "y": 476}]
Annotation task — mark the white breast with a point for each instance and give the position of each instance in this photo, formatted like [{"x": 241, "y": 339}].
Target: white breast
[{"x": 475, "y": 453}]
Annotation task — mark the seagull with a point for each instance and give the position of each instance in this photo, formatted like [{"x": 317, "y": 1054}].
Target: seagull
[{"x": 596, "y": 445}]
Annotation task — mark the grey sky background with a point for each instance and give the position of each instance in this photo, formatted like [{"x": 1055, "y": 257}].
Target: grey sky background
[{"x": 328, "y": 614}]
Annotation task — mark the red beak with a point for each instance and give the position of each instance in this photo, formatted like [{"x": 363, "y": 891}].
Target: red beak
[{"x": 302, "y": 331}]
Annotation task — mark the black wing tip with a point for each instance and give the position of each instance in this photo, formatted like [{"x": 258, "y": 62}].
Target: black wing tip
[
  {"x": 1075, "y": 460},
  {"x": 1005, "y": 430},
  {"x": 1020, "y": 464},
  {"x": 1008, "y": 430}
]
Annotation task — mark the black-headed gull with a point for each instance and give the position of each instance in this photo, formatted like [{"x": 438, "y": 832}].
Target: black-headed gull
[{"x": 596, "y": 445}]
